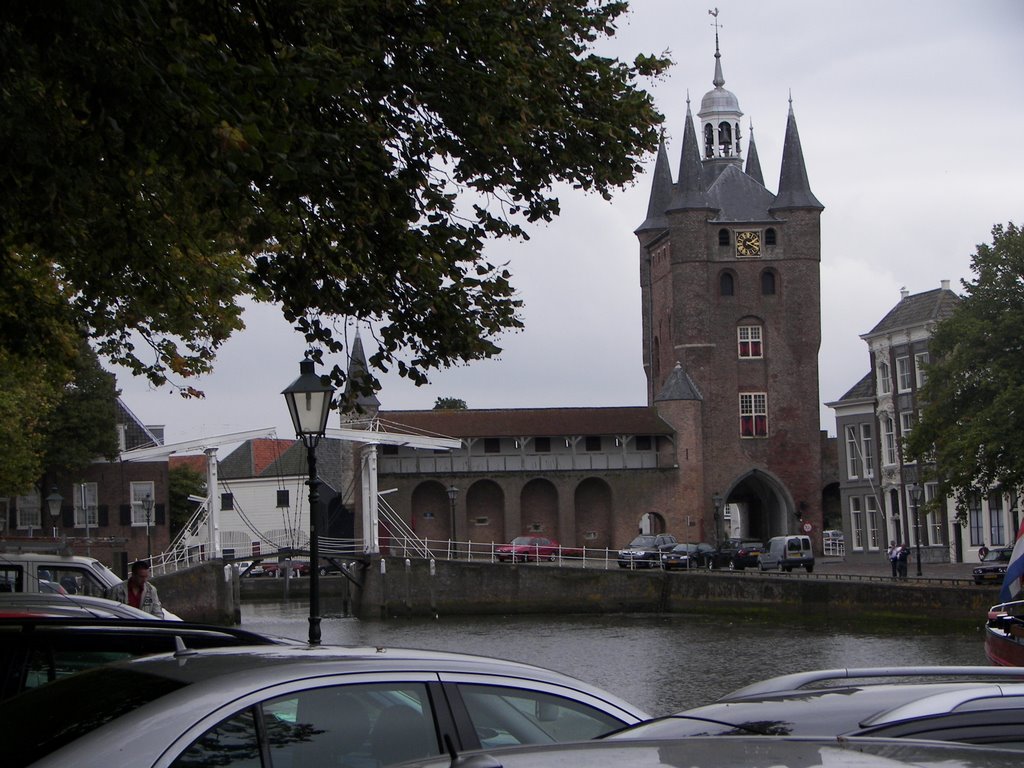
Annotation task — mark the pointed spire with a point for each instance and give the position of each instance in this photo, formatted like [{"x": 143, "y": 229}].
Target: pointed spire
[
  {"x": 719, "y": 80},
  {"x": 794, "y": 189},
  {"x": 753, "y": 163},
  {"x": 357, "y": 370},
  {"x": 661, "y": 192},
  {"x": 690, "y": 192}
]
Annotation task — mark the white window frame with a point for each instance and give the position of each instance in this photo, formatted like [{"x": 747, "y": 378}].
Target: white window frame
[
  {"x": 933, "y": 519},
  {"x": 904, "y": 376},
  {"x": 852, "y": 450},
  {"x": 857, "y": 523},
  {"x": 754, "y": 405},
  {"x": 30, "y": 514},
  {"x": 753, "y": 337},
  {"x": 920, "y": 360},
  {"x": 871, "y": 514},
  {"x": 139, "y": 490},
  {"x": 884, "y": 378},
  {"x": 86, "y": 506},
  {"x": 996, "y": 515},
  {"x": 906, "y": 425},
  {"x": 889, "y": 427},
  {"x": 867, "y": 449}
]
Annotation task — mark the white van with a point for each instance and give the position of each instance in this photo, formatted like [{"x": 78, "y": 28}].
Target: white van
[
  {"x": 55, "y": 573},
  {"x": 784, "y": 553}
]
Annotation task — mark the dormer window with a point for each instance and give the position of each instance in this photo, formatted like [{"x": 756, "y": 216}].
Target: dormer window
[
  {"x": 770, "y": 237},
  {"x": 723, "y": 237}
]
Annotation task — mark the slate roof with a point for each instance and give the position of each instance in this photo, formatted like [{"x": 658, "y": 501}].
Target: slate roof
[
  {"x": 917, "y": 310},
  {"x": 529, "y": 422},
  {"x": 679, "y": 386},
  {"x": 137, "y": 434},
  {"x": 862, "y": 390},
  {"x": 294, "y": 462},
  {"x": 739, "y": 198}
]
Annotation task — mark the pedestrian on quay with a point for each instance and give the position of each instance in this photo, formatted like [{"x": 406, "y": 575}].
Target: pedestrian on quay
[
  {"x": 902, "y": 555},
  {"x": 982, "y": 551},
  {"x": 137, "y": 591},
  {"x": 891, "y": 554}
]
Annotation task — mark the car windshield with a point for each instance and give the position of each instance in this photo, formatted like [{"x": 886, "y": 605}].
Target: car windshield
[
  {"x": 521, "y": 541},
  {"x": 997, "y": 556},
  {"x": 642, "y": 541},
  {"x": 106, "y": 694}
]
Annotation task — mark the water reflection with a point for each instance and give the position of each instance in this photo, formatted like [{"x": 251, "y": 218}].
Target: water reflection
[{"x": 662, "y": 663}]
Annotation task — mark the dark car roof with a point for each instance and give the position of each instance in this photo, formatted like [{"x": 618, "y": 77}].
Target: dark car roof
[
  {"x": 739, "y": 752},
  {"x": 786, "y": 706}
]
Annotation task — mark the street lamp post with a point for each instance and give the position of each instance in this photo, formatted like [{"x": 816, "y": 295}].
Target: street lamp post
[
  {"x": 915, "y": 502},
  {"x": 309, "y": 404},
  {"x": 53, "y": 502},
  {"x": 147, "y": 507},
  {"x": 453, "y": 494}
]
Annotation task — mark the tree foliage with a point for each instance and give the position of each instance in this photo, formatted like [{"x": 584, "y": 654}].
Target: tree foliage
[
  {"x": 29, "y": 392},
  {"x": 182, "y": 482},
  {"x": 343, "y": 159},
  {"x": 83, "y": 425},
  {"x": 973, "y": 414},
  {"x": 449, "y": 403}
]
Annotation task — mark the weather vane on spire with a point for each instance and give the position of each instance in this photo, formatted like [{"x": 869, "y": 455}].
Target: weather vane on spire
[{"x": 715, "y": 14}]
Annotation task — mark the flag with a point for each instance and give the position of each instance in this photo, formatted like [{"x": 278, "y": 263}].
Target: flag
[{"x": 1014, "y": 571}]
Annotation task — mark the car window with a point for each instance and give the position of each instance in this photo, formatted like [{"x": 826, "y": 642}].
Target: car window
[
  {"x": 77, "y": 580},
  {"x": 350, "y": 725},
  {"x": 105, "y": 694},
  {"x": 642, "y": 541},
  {"x": 505, "y": 716},
  {"x": 46, "y": 664}
]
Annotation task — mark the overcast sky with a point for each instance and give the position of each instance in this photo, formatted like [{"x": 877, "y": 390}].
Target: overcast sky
[{"x": 911, "y": 118}]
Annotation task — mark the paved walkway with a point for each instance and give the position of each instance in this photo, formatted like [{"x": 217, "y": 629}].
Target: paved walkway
[{"x": 861, "y": 567}]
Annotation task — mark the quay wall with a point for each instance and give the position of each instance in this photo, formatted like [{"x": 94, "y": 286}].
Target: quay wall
[
  {"x": 207, "y": 593},
  {"x": 422, "y": 588}
]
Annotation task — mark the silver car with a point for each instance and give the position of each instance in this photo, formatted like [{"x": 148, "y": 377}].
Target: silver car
[{"x": 300, "y": 706}]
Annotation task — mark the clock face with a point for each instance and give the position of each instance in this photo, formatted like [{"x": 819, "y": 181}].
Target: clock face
[{"x": 748, "y": 243}]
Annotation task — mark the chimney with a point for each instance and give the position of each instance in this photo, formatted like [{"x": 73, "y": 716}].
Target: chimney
[
  {"x": 944, "y": 284},
  {"x": 904, "y": 292}
]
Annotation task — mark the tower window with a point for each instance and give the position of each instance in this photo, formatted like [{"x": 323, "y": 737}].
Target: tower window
[
  {"x": 723, "y": 237},
  {"x": 593, "y": 443},
  {"x": 542, "y": 445},
  {"x": 725, "y": 139},
  {"x": 282, "y": 497},
  {"x": 769, "y": 236},
  {"x": 643, "y": 442},
  {"x": 749, "y": 338},
  {"x": 767, "y": 283},
  {"x": 709, "y": 141},
  {"x": 725, "y": 285},
  {"x": 227, "y": 501},
  {"x": 492, "y": 445},
  {"x": 753, "y": 414}
]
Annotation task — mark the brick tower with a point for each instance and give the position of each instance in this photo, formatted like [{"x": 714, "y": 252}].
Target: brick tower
[{"x": 730, "y": 295}]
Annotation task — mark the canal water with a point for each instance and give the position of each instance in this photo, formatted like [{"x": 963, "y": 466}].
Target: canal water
[{"x": 662, "y": 663}]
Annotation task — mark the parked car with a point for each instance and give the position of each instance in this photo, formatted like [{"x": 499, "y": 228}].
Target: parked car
[
  {"x": 976, "y": 705},
  {"x": 993, "y": 566},
  {"x": 523, "y": 549},
  {"x": 311, "y": 705},
  {"x": 54, "y": 604},
  {"x": 44, "y": 572},
  {"x": 36, "y": 649},
  {"x": 276, "y": 569},
  {"x": 736, "y": 554},
  {"x": 739, "y": 752},
  {"x": 784, "y": 553},
  {"x": 686, "y": 556},
  {"x": 646, "y": 550}
]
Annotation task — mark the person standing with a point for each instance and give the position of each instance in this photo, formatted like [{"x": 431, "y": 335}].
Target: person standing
[
  {"x": 137, "y": 591},
  {"x": 902, "y": 555},
  {"x": 891, "y": 554}
]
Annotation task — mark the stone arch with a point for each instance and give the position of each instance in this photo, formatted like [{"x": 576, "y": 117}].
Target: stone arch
[
  {"x": 593, "y": 513},
  {"x": 538, "y": 502},
  {"x": 431, "y": 511},
  {"x": 760, "y": 507},
  {"x": 485, "y": 513},
  {"x": 651, "y": 522}
]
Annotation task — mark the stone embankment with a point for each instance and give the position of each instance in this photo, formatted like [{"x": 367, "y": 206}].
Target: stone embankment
[{"x": 391, "y": 587}]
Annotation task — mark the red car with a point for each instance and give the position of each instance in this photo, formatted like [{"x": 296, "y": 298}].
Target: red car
[{"x": 523, "y": 549}]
